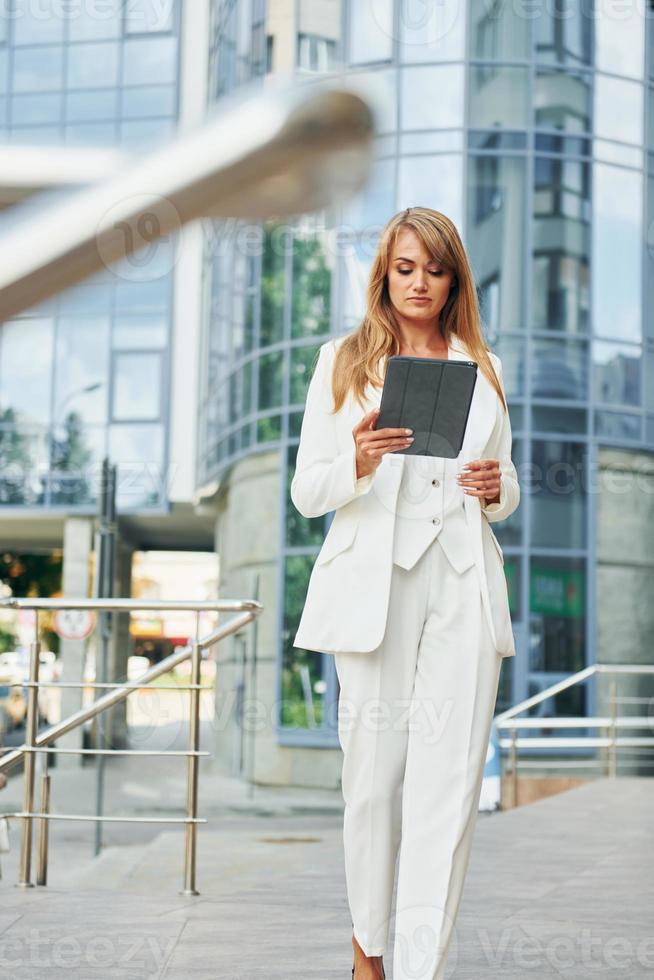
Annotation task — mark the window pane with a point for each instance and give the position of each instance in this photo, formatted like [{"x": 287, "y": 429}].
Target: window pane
[
  {"x": 557, "y": 487},
  {"x": 26, "y": 348},
  {"x": 620, "y": 40},
  {"x": 617, "y": 250},
  {"x": 370, "y": 26},
  {"x": 271, "y": 367},
  {"x": 557, "y": 614},
  {"x": 373, "y": 206},
  {"x": 148, "y": 59},
  {"x": 616, "y": 373},
  {"x": 432, "y": 97},
  {"x": 136, "y": 386},
  {"x": 561, "y": 244},
  {"x": 93, "y": 65},
  {"x": 434, "y": 182},
  {"x": 146, "y": 132},
  {"x": 99, "y": 21},
  {"x": 559, "y": 370},
  {"x": 148, "y": 16},
  {"x": 301, "y": 532},
  {"x": 319, "y": 30},
  {"x": 96, "y": 104},
  {"x": 81, "y": 369},
  {"x": 137, "y": 451},
  {"x": 432, "y": 31},
  {"x": 511, "y": 350},
  {"x": 498, "y": 97},
  {"x": 148, "y": 100},
  {"x": 140, "y": 332},
  {"x": 76, "y": 462},
  {"x": 311, "y": 293},
  {"x": 563, "y": 101},
  {"x": 37, "y": 23},
  {"x": 91, "y": 134},
  {"x": 37, "y": 69},
  {"x": 563, "y": 32},
  {"x": 498, "y": 32},
  {"x": 276, "y": 243},
  {"x": 302, "y": 366},
  {"x": 618, "y": 109},
  {"x": 618, "y": 425},
  {"x": 302, "y": 686},
  {"x": 42, "y": 108},
  {"x": 496, "y": 204},
  {"x": 564, "y": 420},
  {"x": 24, "y": 462}
]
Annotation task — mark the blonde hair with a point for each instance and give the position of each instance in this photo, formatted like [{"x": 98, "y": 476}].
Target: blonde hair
[{"x": 378, "y": 336}]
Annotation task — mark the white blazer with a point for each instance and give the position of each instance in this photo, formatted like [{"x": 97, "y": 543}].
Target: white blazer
[{"x": 347, "y": 596}]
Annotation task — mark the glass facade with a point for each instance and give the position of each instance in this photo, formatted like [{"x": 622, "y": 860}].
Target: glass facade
[
  {"x": 541, "y": 149},
  {"x": 86, "y": 374}
]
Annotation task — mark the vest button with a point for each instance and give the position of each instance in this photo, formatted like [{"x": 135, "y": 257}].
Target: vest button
[
  {"x": 436, "y": 483},
  {"x": 435, "y": 520}
]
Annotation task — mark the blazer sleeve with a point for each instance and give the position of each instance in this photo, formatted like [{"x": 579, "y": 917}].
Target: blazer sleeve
[
  {"x": 509, "y": 486},
  {"x": 325, "y": 478}
]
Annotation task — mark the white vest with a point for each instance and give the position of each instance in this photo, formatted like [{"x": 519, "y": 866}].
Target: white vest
[{"x": 430, "y": 504}]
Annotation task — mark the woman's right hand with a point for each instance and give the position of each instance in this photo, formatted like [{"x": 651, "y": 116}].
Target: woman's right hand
[{"x": 372, "y": 444}]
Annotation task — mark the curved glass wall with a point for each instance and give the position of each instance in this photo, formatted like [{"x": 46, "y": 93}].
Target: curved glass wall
[
  {"x": 532, "y": 133},
  {"x": 86, "y": 375}
]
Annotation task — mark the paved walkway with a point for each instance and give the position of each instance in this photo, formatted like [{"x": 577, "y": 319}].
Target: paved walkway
[{"x": 561, "y": 888}]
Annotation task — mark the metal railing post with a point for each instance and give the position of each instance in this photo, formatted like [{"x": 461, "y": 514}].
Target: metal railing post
[
  {"x": 31, "y": 731},
  {"x": 190, "y": 839},
  {"x": 514, "y": 765},
  {"x": 613, "y": 709},
  {"x": 42, "y": 850}
]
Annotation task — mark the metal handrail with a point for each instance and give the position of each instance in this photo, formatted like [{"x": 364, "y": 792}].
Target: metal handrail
[
  {"x": 611, "y": 723},
  {"x": 39, "y": 742}
]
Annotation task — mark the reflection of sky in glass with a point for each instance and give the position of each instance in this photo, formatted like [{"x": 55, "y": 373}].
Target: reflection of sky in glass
[
  {"x": 371, "y": 31},
  {"x": 620, "y": 39},
  {"x": 616, "y": 373},
  {"x": 25, "y": 368},
  {"x": 433, "y": 182},
  {"x": 502, "y": 100},
  {"x": 379, "y": 89},
  {"x": 81, "y": 352},
  {"x": 356, "y": 263},
  {"x": 137, "y": 383},
  {"x": 374, "y": 205},
  {"x": 618, "y": 109},
  {"x": 432, "y": 97},
  {"x": 617, "y": 248},
  {"x": 138, "y": 452},
  {"x": 559, "y": 369},
  {"x": 432, "y": 31}
]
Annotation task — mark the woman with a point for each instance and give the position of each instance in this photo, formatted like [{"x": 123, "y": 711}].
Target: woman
[{"x": 409, "y": 594}]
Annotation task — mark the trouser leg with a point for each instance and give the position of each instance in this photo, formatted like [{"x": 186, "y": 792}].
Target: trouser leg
[
  {"x": 375, "y": 693},
  {"x": 456, "y": 680}
]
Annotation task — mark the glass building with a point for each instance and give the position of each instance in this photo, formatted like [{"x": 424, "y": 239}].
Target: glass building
[
  {"x": 87, "y": 374},
  {"x": 531, "y": 126}
]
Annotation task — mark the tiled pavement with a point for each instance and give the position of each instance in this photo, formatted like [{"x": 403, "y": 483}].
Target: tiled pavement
[{"x": 560, "y": 888}]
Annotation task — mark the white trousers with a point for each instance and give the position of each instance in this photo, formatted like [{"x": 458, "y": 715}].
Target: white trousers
[{"x": 414, "y": 719}]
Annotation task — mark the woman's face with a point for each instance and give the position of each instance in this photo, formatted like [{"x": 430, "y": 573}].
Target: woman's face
[{"x": 417, "y": 285}]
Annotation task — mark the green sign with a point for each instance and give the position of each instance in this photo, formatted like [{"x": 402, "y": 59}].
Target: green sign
[{"x": 557, "y": 591}]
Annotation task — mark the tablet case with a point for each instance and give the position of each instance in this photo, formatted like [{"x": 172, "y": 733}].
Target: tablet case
[{"x": 432, "y": 396}]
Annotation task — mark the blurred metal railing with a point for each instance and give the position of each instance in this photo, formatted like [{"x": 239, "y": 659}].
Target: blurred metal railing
[
  {"x": 40, "y": 742},
  {"x": 507, "y": 721}
]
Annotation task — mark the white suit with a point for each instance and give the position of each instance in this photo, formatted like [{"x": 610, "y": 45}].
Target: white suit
[
  {"x": 347, "y": 596},
  {"x": 409, "y": 594}
]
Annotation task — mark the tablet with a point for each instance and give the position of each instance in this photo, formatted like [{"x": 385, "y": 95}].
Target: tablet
[{"x": 432, "y": 396}]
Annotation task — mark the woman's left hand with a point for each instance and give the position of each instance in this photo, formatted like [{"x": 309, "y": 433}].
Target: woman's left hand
[{"x": 481, "y": 478}]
